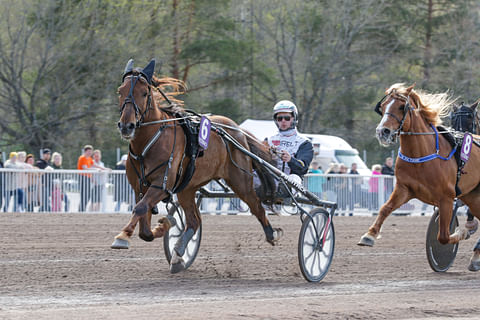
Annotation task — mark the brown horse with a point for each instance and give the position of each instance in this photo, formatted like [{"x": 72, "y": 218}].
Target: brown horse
[
  {"x": 426, "y": 168},
  {"x": 160, "y": 153}
]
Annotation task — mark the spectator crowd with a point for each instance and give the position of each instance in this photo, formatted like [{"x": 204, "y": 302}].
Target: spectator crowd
[
  {"x": 37, "y": 185},
  {"x": 351, "y": 192}
]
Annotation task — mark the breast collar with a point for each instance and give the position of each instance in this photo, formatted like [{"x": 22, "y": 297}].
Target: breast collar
[{"x": 430, "y": 156}]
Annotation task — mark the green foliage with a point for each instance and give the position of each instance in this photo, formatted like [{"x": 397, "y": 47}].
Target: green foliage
[{"x": 226, "y": 107}]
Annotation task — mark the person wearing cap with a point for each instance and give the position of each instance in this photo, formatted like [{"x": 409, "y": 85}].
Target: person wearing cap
[
  {"x": 85, "y": 162},
  {"x": 44, "y": 160},
  {"x": 46, "y": 190},
  {"x": 293, "y": 152}
]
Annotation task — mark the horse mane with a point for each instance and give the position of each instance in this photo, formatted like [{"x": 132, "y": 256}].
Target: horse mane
[
  {"x": 172, "y": 88},
  {"x": 431, "y": 106}
]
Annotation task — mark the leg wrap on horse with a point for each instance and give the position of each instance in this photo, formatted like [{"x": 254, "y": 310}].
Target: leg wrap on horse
[
  {"x": 477, "y": 245},
  {"x": 475, "y": 259},
  {"x": 182, "y": 243},
  {"x": 268, "y": 232},
  {"x": 469, "y": 215},
  {"x": 272, "y": 234}
]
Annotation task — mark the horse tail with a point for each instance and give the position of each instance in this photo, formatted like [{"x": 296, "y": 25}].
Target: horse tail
[{"x": 266, "y": 190}]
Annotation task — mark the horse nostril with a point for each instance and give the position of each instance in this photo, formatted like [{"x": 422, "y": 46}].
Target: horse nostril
[
  {"x": 386, "y": 131},
  {"x": 131, "y": 126},
  {"x": 119, "y": 124}
]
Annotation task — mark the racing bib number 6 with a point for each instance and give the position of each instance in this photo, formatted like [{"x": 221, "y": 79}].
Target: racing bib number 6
[{"x": 204, "y": 134}]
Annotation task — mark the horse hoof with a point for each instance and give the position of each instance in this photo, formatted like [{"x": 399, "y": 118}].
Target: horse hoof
[
  {"x": 172, "y": 220},
  {"x": 177, "y": 267},
  {"x": 277, "y": 233},
  {"x": 120, "y": 244},
  {"x": 366, "y": 240},
  {"x": 474, "y": 265},
  {"x": 471, "y": 226},
  {"x": 273, "y": 242},
  {"x": 176, "y": 263}
]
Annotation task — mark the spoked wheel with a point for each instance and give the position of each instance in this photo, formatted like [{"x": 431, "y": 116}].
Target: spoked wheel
[
  {"x": 316, "y": 245},
  {"x": 173, "y": 234},
  {"x": 440, "y": 256}
]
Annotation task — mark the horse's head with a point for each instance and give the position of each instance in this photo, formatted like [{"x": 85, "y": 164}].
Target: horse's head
[
  {"x": 394, "y": 108},
  {"x": 463, "y": 117},
  {"x": 135, "y": 97}
]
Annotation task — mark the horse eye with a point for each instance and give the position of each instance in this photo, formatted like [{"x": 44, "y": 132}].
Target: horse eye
[{"x": 402, "y": 107}]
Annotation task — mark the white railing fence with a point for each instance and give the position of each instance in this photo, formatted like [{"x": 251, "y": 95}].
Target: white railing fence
[
  {"x": 64, "y": 191},
  {"x": 109, "y": 191}
]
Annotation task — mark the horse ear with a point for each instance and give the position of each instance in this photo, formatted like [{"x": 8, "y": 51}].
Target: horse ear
[
  {"x": 148, "y": 70},
  {"x": 128, "y": 67},
  {"x": 409, "y": 89},
  {"x": 474, "y": 105}
]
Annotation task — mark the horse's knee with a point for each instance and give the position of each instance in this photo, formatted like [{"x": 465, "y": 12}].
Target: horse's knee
[{"x": 141, "y": 209}]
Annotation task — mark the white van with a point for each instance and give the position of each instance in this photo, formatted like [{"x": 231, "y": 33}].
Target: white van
[{"x": 327, "y": 149}]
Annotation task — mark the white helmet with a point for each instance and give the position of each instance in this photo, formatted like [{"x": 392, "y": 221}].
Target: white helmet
[{"x": 286, "y": 106}]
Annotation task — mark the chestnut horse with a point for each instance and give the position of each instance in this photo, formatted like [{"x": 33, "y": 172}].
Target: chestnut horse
[
  {"x": 151, "y": 120},
  {"x": 426, "y": 167}
]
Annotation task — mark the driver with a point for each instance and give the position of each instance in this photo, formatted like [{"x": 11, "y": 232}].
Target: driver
[{"x": 293, "y": 151}]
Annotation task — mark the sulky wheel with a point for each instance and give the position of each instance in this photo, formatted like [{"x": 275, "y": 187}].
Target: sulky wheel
[
  {"x": 173, "y": 234},
  {"x": 440, "y": 256},
  {"x": 315, "y": 246}
]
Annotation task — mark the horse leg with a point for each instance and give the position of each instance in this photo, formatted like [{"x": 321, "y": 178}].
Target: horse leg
[
  {"x": 245, "y": 191},
  {"x": 142, "y": 213},
  {"x": 445, "y": 209},
  {"x": 475, "y": 259},
  {"x": 472, "y": 200},
  {"x": 399, "y": 196},
  {"x": 186, "y": 199}
]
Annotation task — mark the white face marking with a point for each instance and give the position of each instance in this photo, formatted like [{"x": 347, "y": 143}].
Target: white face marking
[{"x": 385, "y": 115}]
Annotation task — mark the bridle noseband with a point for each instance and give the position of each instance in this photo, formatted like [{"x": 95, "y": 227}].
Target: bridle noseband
[{"x": 131, "y": 100}]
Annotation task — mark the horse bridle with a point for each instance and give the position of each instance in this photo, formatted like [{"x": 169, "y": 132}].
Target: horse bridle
[
  {"x": 131, "y": 100},
  {"x": 470, "y": 112},
  {"x": 407, "y": 108}
]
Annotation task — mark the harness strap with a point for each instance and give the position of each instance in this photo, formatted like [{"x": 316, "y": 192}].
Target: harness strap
[
  {"x": 430, "y": 156},
  {"x": 142, "y": 177}
]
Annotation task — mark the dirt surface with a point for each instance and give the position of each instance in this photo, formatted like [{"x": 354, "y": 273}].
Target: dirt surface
[{"x": 59, "y": 266}]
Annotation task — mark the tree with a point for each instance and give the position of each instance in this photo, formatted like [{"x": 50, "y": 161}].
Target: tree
[{"x": 324, "y": 55}]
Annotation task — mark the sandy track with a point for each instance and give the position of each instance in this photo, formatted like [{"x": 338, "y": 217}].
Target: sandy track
[{"x": 58, "y": 266}]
